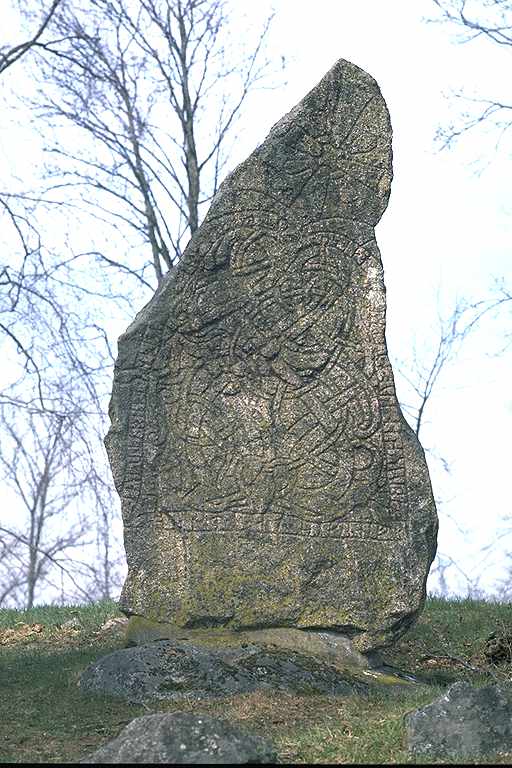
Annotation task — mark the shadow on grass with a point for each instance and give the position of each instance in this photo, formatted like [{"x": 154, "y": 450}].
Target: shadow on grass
[{"x": 44, "y": 716}]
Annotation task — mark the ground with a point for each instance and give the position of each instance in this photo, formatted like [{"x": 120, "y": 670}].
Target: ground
[{"x": 45, "y": 718}]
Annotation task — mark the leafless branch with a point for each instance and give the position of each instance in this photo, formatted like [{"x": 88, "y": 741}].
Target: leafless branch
[
  {"x": 9, "y": 56},
  {"x": 483, "y": 19}
]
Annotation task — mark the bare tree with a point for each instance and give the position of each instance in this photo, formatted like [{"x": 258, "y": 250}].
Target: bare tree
[
  {"x": 12, "y": 584},
  {"x": 490, "y": 20},
  {"x": 423, "y": 371},
  {"x": 55, "y": 375},
  {"x": 52, "y": 420},
  {"x": 37, "y": 465},
  {"x": 140, "y": 99},
  {"x": 10, "y": 54},
  {"x": 420, "y": 378},
  {"x": 155, "y": 95}
]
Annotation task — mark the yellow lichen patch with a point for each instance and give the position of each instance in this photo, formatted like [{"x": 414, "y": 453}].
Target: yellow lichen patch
[
  {"x": 336, "y": 651},
  {"x": 386, "y": 678}
]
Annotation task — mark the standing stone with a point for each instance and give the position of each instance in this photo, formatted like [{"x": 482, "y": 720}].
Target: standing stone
[{"x": 267, "y": 475}]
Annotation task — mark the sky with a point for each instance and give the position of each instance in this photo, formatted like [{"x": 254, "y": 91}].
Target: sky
[{"x": 445, "y": 235}]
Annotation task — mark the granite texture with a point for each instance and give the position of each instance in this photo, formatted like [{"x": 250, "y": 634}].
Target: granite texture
[
  {"x": 465, "y": 723},
  {"x": 268, "y": 477},
  {"x": 183, "y": 738},
  {"x": 176, "y": 670}
]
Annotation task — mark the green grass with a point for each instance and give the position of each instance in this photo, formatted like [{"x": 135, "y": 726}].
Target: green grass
[
  {"x": 45, "y": 718},
  {"x": 91, "y": 616}
]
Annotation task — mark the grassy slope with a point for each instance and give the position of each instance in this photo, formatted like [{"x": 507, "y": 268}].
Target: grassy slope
[{"x": 44, "y": 718}]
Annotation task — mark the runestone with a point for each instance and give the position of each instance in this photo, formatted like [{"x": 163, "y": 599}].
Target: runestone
[{"x": 267, "y": 475}]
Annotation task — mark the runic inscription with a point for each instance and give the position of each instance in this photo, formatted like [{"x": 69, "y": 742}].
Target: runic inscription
[{"x": 267, "y": 475}]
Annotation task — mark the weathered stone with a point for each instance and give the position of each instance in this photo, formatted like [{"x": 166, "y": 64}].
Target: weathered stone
[
  {"x": 267, "y": 475},
  {"x": 330, "y": 647},
  {"x": 184, "y": 738},
  {"x": 466, "y": 722},
  {"x": 172, "y": 671}
]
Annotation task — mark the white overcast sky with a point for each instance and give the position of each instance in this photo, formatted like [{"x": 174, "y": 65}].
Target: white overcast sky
[{"x": 446, "y": 232}]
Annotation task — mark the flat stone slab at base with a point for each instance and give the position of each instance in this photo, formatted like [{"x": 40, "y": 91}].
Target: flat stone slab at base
[
  {"x": 466, "y": 722},
  {"x": 176, "y": 670},
  {"x": 183, "y": 738},
  {"x": 333, "y": 647}
]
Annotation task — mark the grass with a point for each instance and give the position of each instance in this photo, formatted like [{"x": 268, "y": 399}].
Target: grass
[{"x": 45, "y": 718}]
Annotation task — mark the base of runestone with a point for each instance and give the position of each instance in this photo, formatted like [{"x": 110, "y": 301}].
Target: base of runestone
[
  {"x": 330, "y": 649},
  {"x": 268, "y": 478}
]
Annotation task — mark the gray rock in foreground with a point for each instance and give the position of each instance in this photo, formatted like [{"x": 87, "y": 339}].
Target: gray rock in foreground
[
  {"x": 184, "y": 738},
  {"x": 466, "y": 722},
  {"x": 174, "y": 671}
]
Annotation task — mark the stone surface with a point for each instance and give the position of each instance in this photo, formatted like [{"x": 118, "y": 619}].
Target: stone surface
[
  {"x": 172, "y": 671},
  {"x": 330, "y": 647},
  {"x": 184, "y": 738},
  {"x": 267, "y": 475},
  {"x": 466, "y": 722}
]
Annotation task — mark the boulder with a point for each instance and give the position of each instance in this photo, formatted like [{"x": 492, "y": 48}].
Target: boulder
[
  {"x": 267, "y": 475},
  {"x": 177, "y": 670},
  {"x": 184, "y": 738},
  {"x": 466, "y": 722}
]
